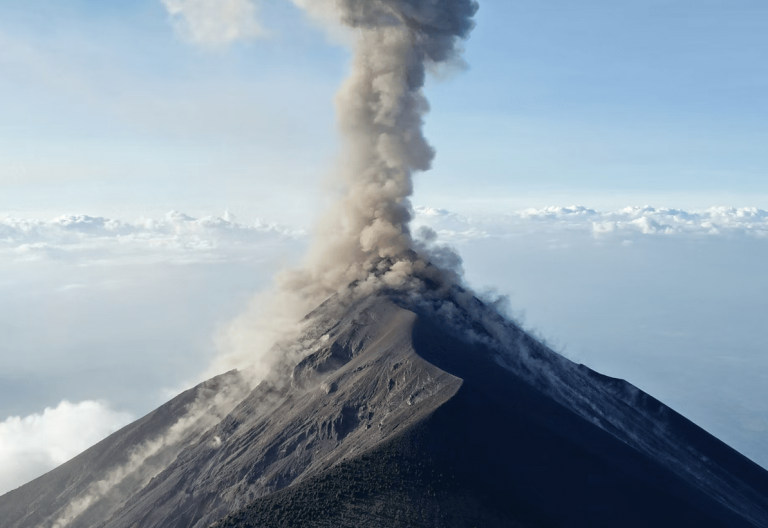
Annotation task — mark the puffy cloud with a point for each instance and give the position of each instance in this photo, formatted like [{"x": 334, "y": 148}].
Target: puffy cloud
[
  {"x": 713, "y": 221},
  {"x": 215, "y": 23},
  {"x": 449, "y": 226},
  {"x": 35, "y": 444},
  {"x": 558, "y": 212}
]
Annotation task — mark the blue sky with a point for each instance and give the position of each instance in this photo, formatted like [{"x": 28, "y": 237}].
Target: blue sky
[
  {"x": 656, "y": 98},
  {"x": 108, "y": 111},
  {"x": 103, "y": 106},
  {"x": 108, "y": 108}
]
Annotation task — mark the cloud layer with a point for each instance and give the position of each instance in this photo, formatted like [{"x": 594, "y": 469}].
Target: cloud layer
[
  {"x": 176, "y": 237},
  {"x": 34, "y": 444},
  {"x": 622, "y": 224}
]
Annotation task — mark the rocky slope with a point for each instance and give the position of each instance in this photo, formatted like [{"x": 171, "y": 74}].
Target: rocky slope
[{"x": 410, "y": 413}]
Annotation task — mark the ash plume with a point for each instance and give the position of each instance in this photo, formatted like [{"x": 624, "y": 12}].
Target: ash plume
[{"x": 365, "y": 240}]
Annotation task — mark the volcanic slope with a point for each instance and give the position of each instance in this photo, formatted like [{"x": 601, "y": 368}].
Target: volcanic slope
[{"x": 416, "y": 413}]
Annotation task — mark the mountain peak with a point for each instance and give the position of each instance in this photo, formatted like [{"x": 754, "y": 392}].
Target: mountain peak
[{"x": 407, "y": 411}]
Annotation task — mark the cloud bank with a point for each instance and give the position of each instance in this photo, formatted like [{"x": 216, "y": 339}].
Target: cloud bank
[
  {"x": 622, "y": 224},
  {"x": 180, "y": 238},
  {"x": 34, "y": 444},
  {"x": 175, "y": 237}
]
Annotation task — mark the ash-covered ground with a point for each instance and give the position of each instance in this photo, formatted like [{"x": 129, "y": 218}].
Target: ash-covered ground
[{"x": 406, "y": 413}]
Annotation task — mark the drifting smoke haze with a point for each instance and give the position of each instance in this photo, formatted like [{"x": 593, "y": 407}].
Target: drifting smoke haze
[{"x": 150, "y": 458}]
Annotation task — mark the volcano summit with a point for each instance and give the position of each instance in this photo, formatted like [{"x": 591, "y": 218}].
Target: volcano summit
[
  {"x": 405, "y": 412},
  {"x": 404, "y": 400}
]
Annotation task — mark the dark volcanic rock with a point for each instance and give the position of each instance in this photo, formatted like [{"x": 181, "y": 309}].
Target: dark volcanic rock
[{"x": 407, "y": 414}]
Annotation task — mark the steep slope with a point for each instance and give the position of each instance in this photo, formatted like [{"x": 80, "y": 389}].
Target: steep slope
[
  {"x": 509, "y": 450},
  {"x": 362, "y": 385},
  {"x": 38, "y": 502},
  {"x": 405, "y": 412}
]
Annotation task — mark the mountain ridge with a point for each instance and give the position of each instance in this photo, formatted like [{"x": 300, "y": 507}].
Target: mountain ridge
[{"x": 483, "y": 423}]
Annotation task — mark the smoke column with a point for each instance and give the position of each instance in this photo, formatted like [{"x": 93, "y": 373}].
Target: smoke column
[{"x": 365, "y": 240}]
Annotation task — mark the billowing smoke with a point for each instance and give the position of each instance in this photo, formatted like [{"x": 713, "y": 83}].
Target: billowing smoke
[{"x": 365, "y": 240}]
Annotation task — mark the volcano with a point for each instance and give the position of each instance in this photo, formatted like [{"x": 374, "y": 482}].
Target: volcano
[{"x": 405, "y": 412}]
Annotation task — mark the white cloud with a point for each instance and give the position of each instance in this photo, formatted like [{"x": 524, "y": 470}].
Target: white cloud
[
  {"x": 182, "y": 239},
  {"x": 620, "y": 224},
  {"x": 215, "y": 23},
  {"x": 176, "y": 237},
  {"x": 35, "y": 444},
  {"x": 556, "y": 211}
]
